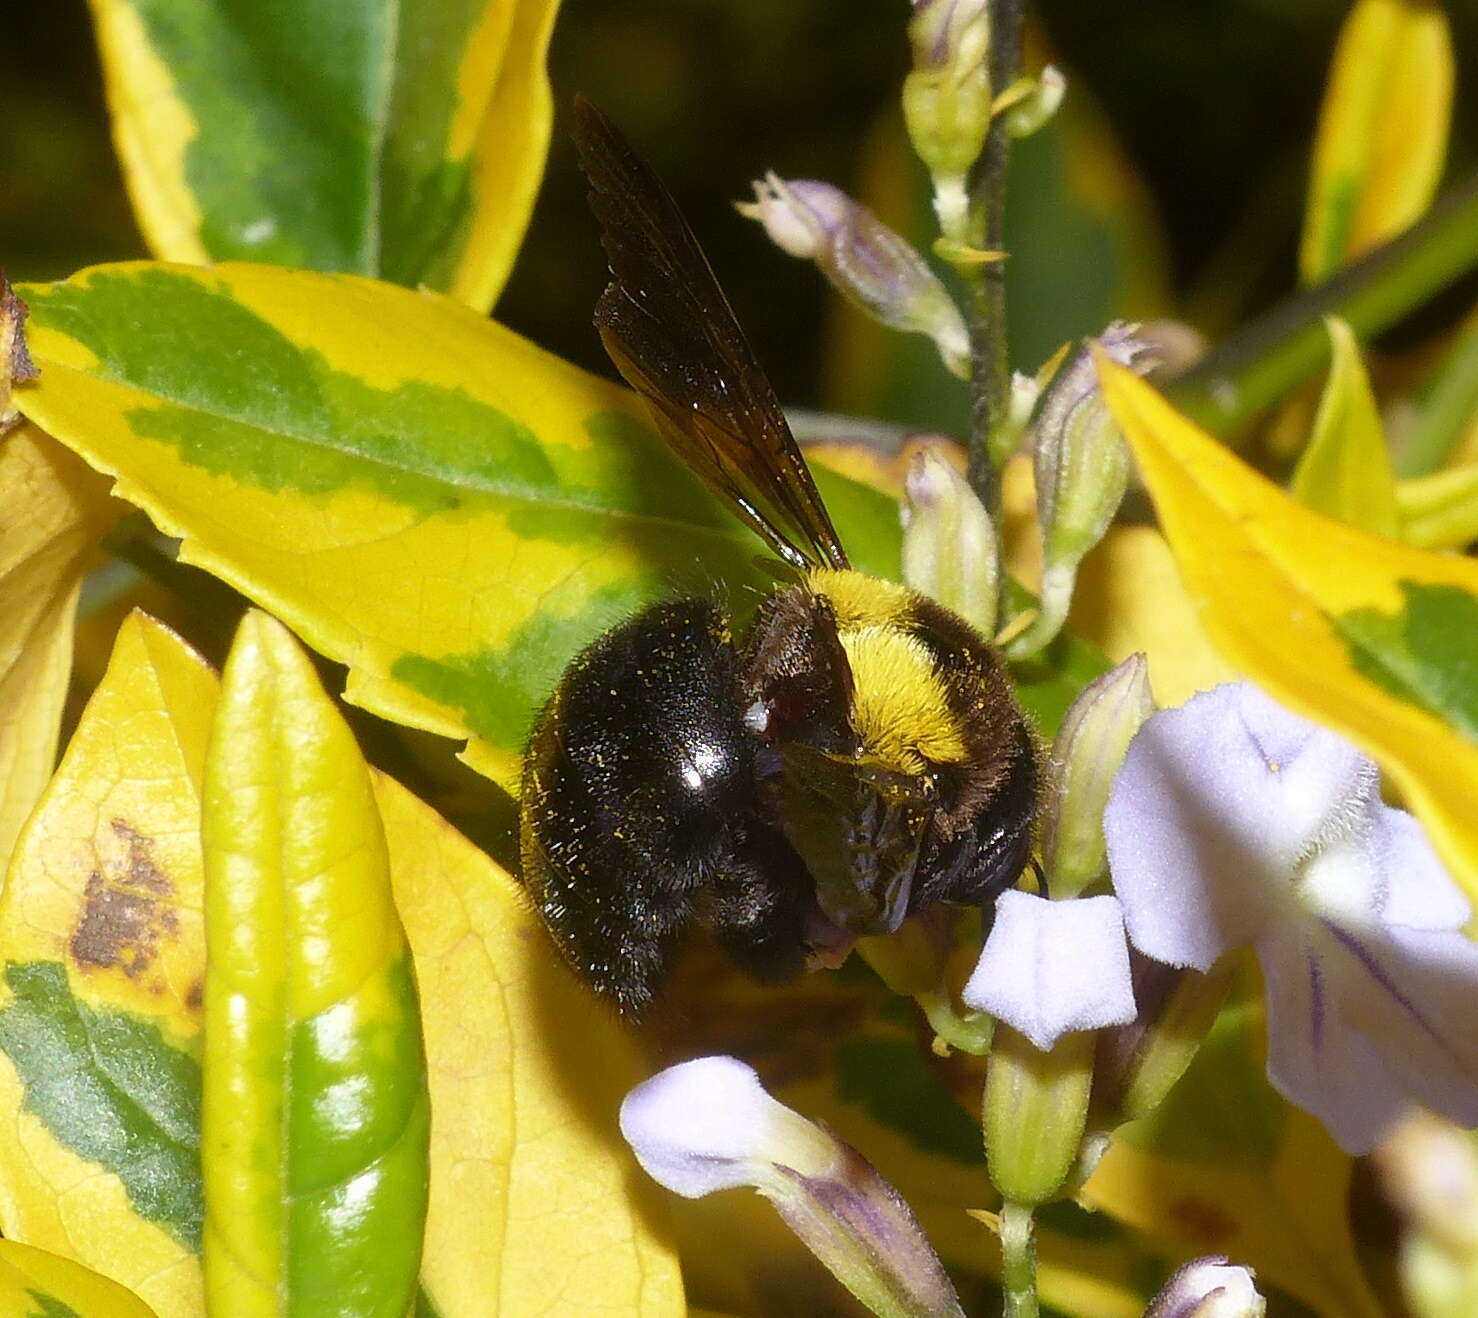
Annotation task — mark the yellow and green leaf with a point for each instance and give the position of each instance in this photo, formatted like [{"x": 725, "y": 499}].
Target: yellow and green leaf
[
  {"x": 56, "y": 513},
  {"x": 536, "y": 1204},
  {"x": 315, "y": 1121},
  {"x": 1226, "y": 1166},
  {"x": 1382, "y": 137},
  {"x": 1368, "y": 636},
  {"x": 102, "y": 956},
  {"x": 401, "y": 140},
  {"x": 421, "y": 494},
  {"x": 1345, "y": 471},
  {"x": 35, "y": 1284}
]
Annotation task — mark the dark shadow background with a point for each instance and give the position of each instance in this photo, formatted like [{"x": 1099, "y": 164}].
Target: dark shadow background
[{"x": 1212, "y": 101}]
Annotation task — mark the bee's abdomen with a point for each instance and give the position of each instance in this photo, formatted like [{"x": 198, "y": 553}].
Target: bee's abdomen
[{"x": 637, "y": 794}]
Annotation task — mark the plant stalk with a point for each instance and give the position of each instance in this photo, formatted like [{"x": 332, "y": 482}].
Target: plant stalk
[
  {"x": 985, "y": 303},
  {"x": 1018, "y": 1261}
]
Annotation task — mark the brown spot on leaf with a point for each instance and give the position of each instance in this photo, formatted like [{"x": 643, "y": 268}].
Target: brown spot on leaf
[
  {"x": 126, "y": 911},
  {"x": 195, "y": 996},
  {"x": 16, "y": 366}
]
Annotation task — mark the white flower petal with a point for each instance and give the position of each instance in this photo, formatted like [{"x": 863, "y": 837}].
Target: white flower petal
[
  {"x": 701, "y": 1126},
  {"x": 1418, "y": 892},
  {"x": 1215, "y": 804},
  {"x": 1052, "y": 967},
  {"x": 1360, "y": 1027}
]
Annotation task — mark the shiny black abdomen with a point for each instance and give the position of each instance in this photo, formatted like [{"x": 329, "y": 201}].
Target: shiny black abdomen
[{"x": 639, "y": 810}]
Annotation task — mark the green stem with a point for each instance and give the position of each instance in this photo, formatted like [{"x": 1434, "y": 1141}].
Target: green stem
[
  {"x": 1018, "y": 1261},
  {"x": 985, "y": 307},
  {"x": 1262, "y": 361}
]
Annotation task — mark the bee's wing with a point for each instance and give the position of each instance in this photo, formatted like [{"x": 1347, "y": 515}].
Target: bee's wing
[{"x": 671, "y": 333}]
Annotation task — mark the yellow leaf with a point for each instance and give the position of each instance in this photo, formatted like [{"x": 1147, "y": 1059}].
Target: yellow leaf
[
  {"x": 56, "y": 512},
  {"x": 1345, "y": 472},
  {"x": 103, "y": 955},
  {"x": 31, "y": 1277},
  {"x": 1319, "y": 613},
  {"x": 1130, "y": 599},
  {"x": 1226, "y": 1166},
  {"x": 1287, "y": 1221},
  {"x": 536, "y": 1203},
  {"x": 508, "y": 161},
  {"x": 1382, "y": 136}
]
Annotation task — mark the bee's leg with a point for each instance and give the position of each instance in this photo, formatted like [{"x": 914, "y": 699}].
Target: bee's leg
[{"x": 759, "y": 910}]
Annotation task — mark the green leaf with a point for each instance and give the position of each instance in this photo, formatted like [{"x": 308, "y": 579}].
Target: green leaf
[
  {"x": 420, "y": 493},
  {"x": 108, "y": 1086},
  {"x": 399, "y": 138}
]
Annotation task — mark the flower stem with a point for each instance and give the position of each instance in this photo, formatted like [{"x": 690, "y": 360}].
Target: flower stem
[
  {"x": 1258, "y": 364},
  {"x": 1018, "y": 1261},
  {"x": 985, "y": 283}
]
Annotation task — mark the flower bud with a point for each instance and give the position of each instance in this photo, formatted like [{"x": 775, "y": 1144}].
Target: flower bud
[
  {"x": 864, "y": 260},
  {"x": 1037, "y": 103},
  {"x": 947, "y": 99},
  {"x": 709, "y": 1125},
  {"x": 16, "y": 366},
  {"x": 1086, "y": 755},
  {"x": 950, "y": 549},
  {"x": 1082, "y": 469},
  {"x": 1209, "y": 1287},
  {"x": 1138, "y": 1063},
  {"x": 1035, "y": 1109}
]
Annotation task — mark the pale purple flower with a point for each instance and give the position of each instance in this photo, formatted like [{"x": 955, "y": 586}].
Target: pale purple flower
[
  {"x": 1235, "y": 823},
  {"x": 709, "y": 1125},
  {"x": 1052, "y": 967}
]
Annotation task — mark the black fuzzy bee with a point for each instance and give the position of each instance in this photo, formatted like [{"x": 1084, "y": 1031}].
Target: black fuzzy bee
[{"x": 857, "y": 757}]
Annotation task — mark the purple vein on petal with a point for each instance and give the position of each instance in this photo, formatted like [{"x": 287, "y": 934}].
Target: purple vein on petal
[
  {"x": 1316, "y": 999},
  {"x": 1373, "y": 968}
]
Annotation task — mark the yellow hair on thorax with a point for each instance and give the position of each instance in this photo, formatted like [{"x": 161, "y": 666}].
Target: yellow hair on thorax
[
  {"x": 900, "y": 709},
  {"x": 858, "y": 600}
]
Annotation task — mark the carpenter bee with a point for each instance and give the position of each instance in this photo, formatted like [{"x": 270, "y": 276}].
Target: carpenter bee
[{"x": 858, "y": 756}]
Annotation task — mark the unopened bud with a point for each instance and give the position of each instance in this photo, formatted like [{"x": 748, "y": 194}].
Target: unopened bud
[
  {"x": 1037, "y": 103},
  {"x": 1036, "y": 1105},
  {"x": 16, "y": 366},
  {"x": 1138, "y": 1063},
  {"x": 1082, "y": 469},
  {"x": 950, "y": 549},
  {"x": 709, "y": 1125},
  {"x": 1209, "y": 1287},
  {"x": 947, "y": 99},
  {"x": 1086, "y": 754},
  {"x": 864, "y": 260}
]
